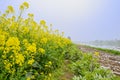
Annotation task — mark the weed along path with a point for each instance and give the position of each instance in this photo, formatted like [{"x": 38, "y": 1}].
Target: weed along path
[
  {"x": 106, "y": 59},
  {"x": 67, "y": 73}
]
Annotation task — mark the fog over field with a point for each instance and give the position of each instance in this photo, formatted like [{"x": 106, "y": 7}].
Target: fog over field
[
  {"x": 82, "y": 20},
  {"x": 108, "y": 44}
]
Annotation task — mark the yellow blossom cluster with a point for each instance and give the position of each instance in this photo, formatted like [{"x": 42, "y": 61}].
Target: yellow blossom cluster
[
  {"x": 31, "y": 47},
  {"x": 28, "y": 47},
  {"x": 96, "y": 53},
  {"x": 12, "y": 41},
  {"x": 2, "y": 40},
  {"x": 31, "y": 61},
  {"x": 41, "y": 50},
  {"x": 19, "y": 59}
]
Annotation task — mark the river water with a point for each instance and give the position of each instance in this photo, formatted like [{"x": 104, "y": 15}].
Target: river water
[
  {"x": 100, "y": 46},
  {"x": 105, "y": 46}
]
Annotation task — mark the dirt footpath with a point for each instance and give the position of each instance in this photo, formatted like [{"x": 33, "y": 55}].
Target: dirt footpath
[{"x": 106, "y": 60}]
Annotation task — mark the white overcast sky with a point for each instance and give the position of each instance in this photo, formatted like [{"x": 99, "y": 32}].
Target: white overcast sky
[{"x": 82, "y": 20}]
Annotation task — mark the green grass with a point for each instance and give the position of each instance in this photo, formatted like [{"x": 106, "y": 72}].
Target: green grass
[
  {"x": 117, "y": 78},
  {"x": 115, "y": 52}
]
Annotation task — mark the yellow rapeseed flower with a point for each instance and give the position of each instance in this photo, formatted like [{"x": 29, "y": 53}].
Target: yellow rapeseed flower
[
  {"x": 50, "y": 63},
  {"x": 19, "y": 59},
  {"x": 7, "y": 11},
  {"x": 25, "y": 41},
  {"x": 13, "y": 18},
  {"x": 26, "y": 4},
  {"x": 7, "y": 64},
  {"x": 28, "y": 78},
  {"x": 25, "y": 30},
  {"x": 67, "y": 41},
  {"x": 12, "y": 71},
  {"x": 42, "y": 73},
  {"x": 32, "y": 48},
  {"x": 46, "y": 65},
  {"x": 44, "y": 40},
  {"x": 4, "y": 15},
  {"x": 2, "y": 40},
  {"x": 31, "y": 61},
  {"x": 1, "y": 48},
  {"x": 14, "y": 26},
  {"x": 33, "y": 77},
  {"x": 30, "y": 15},
  {"x": 41, "y": 50},
  {"x": 12, "y": 41},
  {"x": 10, "y": 9},
  {"x": 14, "y": 48},
  {"x": 96, "y": 53},
  {"x": 50, "y": 74},
  {"x": 4, "y": 56},
  {"x": 6, "y": 50},
  {"x": 21, "y": 7},
  {"x": 42, "y": 22}
]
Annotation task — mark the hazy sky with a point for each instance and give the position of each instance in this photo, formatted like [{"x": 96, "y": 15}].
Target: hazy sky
[{"x": 82, "y": 20}]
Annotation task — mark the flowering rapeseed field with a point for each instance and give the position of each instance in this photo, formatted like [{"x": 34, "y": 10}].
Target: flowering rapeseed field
[
  {"x": 33, "y": 51},
  {"x": 29, "y": 50}
]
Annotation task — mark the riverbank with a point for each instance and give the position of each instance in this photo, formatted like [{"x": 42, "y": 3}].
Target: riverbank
[{"x": 106, "y": 59}]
